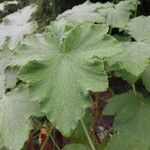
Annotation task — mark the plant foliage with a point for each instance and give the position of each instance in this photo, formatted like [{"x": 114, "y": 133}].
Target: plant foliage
[
  {"x": 58, "y": 74},
  {"x": 68, "y": 69},
  {"x": 129, "y": 109}
]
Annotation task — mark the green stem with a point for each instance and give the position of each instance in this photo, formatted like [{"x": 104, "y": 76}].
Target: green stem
[
  {"x": 110, "y": 30},
  {"x": 49, "y": 135},
  {"x": 136, "y": 7},
  {"x": 46, "y": 140},
  {"x": 134, "y": 89},
  {"x": 87, "y": 135},
  {"x": 55, "y": 144}
]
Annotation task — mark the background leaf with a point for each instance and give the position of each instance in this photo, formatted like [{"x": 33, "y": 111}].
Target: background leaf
[
  {"x": 115, "y": 15},
  {"x": 17, "y": 21},
  {"x": 76, "y": 147},
  {"x": 131, "y": 121}
]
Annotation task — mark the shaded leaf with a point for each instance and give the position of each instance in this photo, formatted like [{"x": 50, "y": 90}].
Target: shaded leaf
[
  {"x": 131, "y": 121},
  {"x": 146, "y": 78},
  {"x": 134, "y": 59},
  {"x": 136, "y": 55},
  {"x": 76, "y": 147}
]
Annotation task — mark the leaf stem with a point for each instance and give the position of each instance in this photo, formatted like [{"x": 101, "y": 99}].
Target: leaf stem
[
  {"x": 110, "y": 30},
  {"x": 46, "y": 140},
  {"x": 55, "y": 144},
  {"x": 87, "y": 135},
  {"x": 49, "y": 135},
  {"x": 136, "y": 7},
  {"x": 134, "y": 89}
]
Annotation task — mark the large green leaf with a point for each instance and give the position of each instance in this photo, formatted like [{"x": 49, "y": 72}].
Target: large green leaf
[
  {"x": 17, "y": 25},
  {"x": 132, "y": 113},
  {"x": 134, "y": 59},
  {"x": 15, "y": 110},
  {"x": 139, "y": 28},
  {"x": 60, "y": 75},
  {"x": 118, "y": 15},
  {"x": 76, "y": 147},
  {"x": 136, "y": 56},
  {"x": 115, "y": 15}
]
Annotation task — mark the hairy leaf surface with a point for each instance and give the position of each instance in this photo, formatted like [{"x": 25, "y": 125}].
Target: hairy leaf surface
[
  {"x": 62, "y": 73},
  {"x": 139, "y": 28},
  {"x": 82, "y": 13},
  {"x": 115, "y": 15},
  {"x": 16, "y": 25},
  {"x": 131, "y": 121},
  {"x": 5, "y": 59},
  {"x": 15, "y": 110},
  {"x": 136, "y": 56}
]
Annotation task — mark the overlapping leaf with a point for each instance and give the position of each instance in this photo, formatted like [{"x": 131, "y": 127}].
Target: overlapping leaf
[
  {"x": 60, "y": 75},
  {"x": 2, "y": 5},
  {"x": 82, "y": 13},
  {"x": 5, "y": 58},
  {"x": 139, "y": 28},
  {"x": 15, "y": 110},
  {"x": 131, "y": 123},
  {"x": 60, "y": 28},
  {"x": 115, "y": 15},
  {"x": 17, "y": 25},
  {"x": 136, "y": 56}
]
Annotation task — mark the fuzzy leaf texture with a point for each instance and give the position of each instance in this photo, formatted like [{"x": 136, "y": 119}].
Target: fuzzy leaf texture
[
  {"x": 131, "y": 122},
  {"x": 136, "y": 56},
  {"x": 15, "y": 111},
  {"x": 5, "y": 60},
  {"x": 115, "y": 15},
  {"x": 61, "y": 74},
  {"x": 16, "y": 25}
]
